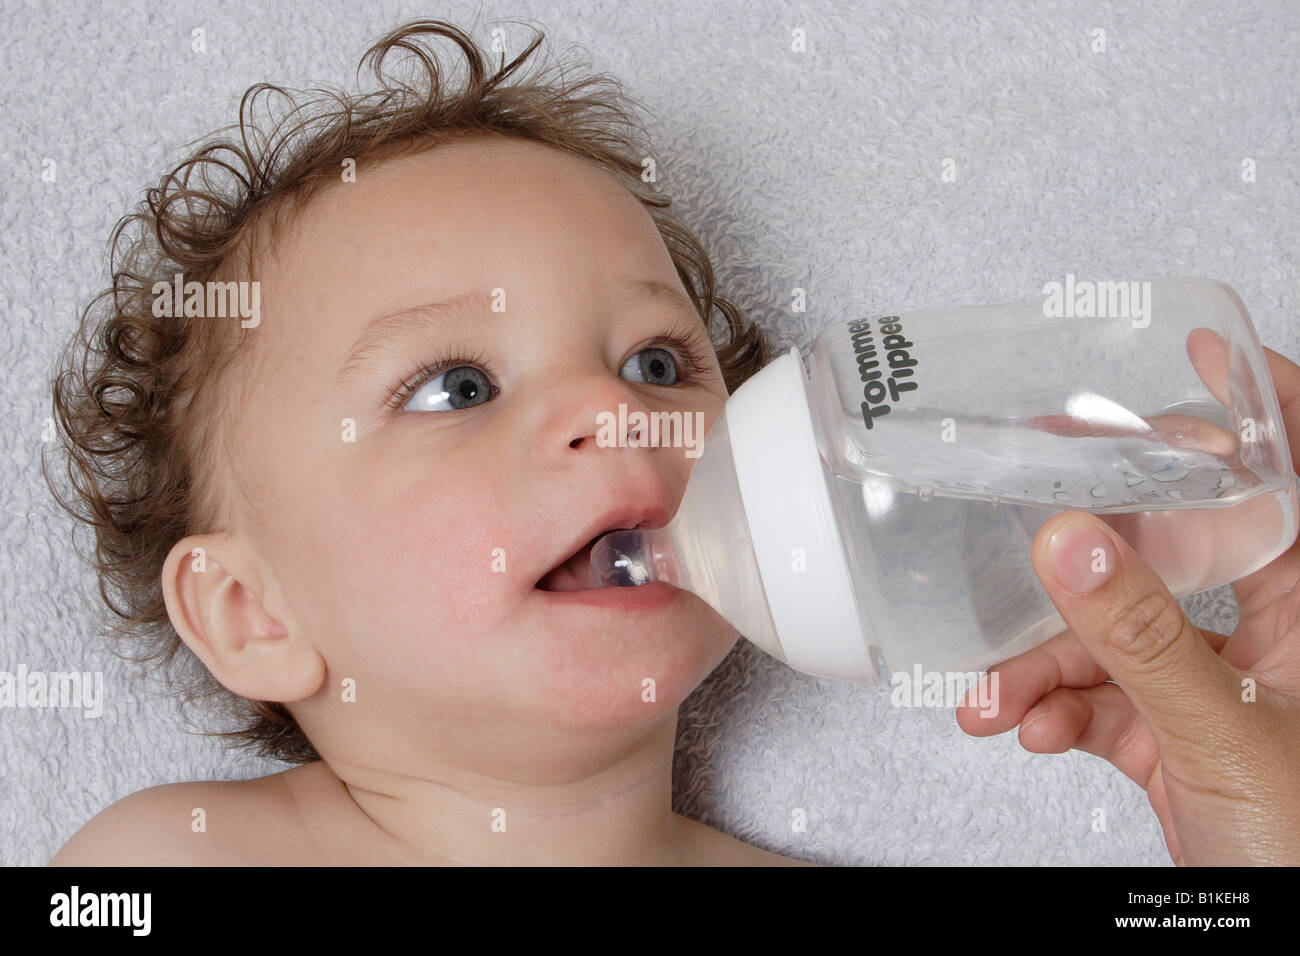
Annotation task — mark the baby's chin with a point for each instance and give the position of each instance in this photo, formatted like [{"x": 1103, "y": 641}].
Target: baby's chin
[{"x": 599, "y": 671}]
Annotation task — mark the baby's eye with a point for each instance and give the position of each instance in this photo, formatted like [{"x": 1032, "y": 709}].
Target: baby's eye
[
  {"x": 655, "y": 366},
  {"x": 461, "y": 387}
]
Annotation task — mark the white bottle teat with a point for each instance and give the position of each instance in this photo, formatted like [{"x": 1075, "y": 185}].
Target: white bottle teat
[{"x": 632, "y": 558}]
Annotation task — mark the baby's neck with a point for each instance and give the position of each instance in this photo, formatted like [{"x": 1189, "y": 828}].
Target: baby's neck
[{"x": 618, "y": 813}]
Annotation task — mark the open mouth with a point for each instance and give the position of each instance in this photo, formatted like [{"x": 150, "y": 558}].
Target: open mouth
[{"x": 575, "y": 574}]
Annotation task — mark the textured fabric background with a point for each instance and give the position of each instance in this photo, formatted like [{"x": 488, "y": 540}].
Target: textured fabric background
[{"x": 818, "y": 170}]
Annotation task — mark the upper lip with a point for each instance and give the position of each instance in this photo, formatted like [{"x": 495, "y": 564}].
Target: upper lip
[{"x": 640, "y": 514}]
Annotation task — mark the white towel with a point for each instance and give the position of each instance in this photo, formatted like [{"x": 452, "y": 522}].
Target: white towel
[{"x": 819, "y": 170}]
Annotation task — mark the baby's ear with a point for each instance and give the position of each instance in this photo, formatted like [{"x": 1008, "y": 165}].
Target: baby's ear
[{"x": 215, "y": 592}]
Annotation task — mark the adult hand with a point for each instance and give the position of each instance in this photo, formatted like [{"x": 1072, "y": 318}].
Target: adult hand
[{"x": 1207, "y": 724}]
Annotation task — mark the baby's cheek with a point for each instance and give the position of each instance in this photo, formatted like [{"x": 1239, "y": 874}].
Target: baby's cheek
[
  {"x": 457, "y": 563},
  {"x": 436, "y": 598}
]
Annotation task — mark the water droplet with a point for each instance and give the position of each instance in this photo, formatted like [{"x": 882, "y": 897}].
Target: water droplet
[
  {"x": 1098, "y": 491},
  {"x": 925, "y": 492},
  {"x": 1227, "y": 481},
  {"x": 1062, "y": 496},
  {"x": 1174, "y": 471}
]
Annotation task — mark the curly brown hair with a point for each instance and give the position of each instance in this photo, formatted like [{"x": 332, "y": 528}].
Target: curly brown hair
[{"x": 137, "y": 398}]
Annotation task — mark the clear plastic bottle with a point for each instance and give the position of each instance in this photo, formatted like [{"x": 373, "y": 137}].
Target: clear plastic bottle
[{"x": 874, "y": 511}]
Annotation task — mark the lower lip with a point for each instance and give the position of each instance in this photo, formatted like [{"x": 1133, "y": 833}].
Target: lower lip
[{"x": 643, "y": 598}]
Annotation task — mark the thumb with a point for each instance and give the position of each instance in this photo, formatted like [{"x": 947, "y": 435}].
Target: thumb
[{"x": 1124, "y": 616}]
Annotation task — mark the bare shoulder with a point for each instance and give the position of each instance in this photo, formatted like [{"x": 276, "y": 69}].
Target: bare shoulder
[
  {"x": 200, "y": 823},
  {"x": 710, "y": 847}
]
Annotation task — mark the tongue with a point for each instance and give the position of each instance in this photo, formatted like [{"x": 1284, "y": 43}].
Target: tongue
[{"x": 573, "y": 575}]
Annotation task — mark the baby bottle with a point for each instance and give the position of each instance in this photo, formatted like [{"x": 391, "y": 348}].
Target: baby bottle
[{"x": 874, "y": 510}]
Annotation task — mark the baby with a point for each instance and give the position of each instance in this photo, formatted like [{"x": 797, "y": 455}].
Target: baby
[{"x": 335, "y": 428}]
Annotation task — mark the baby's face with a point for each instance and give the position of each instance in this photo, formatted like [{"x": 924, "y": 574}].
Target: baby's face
[{"x": 408, "y": 558}]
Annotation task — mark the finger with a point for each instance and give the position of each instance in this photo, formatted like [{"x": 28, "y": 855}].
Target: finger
[
  {"x": 1099, "y": 720},
  {"x": 1217, "y": 640},
  {"x": 1177, "y": 431},
  {"x": 1260, "y": 587},
  {"x": 1022, "y": 681},
  {"x": 1212, "y": 360},
  {"x": 1193, "y": 434},
  {"x": 1286, "y": 382},
  {"x": 1255, "y": 637},
  {"x": 1269, "y": 646},
  {"x": 1159, "y": 799},
  {"x": 1123, "y": 614},
  {"x": 1103, "y": 721}
]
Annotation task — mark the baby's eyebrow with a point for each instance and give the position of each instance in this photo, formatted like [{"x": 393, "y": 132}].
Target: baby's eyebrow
[
  {"x": 427, "y": 315},
  {"x": 434, "y": 315}
]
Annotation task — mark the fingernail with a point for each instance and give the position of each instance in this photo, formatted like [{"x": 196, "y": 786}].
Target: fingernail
[
  {"x": 1032, "y": 716},
  {"x": 1082, "y": 557}
]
